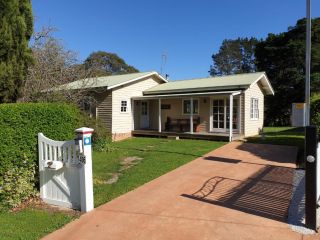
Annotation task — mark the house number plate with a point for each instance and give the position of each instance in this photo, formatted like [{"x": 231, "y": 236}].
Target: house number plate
[{"x": 82, "y": 159}]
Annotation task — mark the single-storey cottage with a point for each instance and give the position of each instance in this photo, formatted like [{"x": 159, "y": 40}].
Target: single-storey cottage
[{"x": 148, "y": 104}]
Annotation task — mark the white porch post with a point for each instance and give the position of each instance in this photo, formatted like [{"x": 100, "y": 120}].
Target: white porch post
[
  {"x": 86, "y": 185},
  {"x": 191, "y": 115},
  {"x": 159, "y": 115},
  {"x": 132, "y": 111},
  {"x": 230, "y": 117}
]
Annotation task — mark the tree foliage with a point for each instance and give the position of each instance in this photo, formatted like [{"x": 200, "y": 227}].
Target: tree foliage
[
  {"x": 102, "y": 63},
  {"x": 282, "y": 56},
  {"x": 16, "y": 27},
  {"x": 54, "y": 65},
  {"x": 234, "y": 56}
]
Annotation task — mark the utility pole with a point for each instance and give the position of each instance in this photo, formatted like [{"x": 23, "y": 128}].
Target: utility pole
[{"x": 308, "y": 62}]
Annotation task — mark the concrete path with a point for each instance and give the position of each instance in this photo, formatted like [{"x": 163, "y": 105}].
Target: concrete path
[{"x": 239, "y": 191}]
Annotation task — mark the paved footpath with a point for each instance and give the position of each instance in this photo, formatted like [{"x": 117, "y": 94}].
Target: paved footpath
[{"x": 239, "y": 191}]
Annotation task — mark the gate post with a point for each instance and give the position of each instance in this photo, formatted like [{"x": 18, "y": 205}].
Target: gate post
[
  {"x": 311, "y": 145},
  {"x": 86, "y": 184}
]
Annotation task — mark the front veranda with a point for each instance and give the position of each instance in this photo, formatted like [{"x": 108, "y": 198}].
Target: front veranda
[{"x": 190, "y": 115}]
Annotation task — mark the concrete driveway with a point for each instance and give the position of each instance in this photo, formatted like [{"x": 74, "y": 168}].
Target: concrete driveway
[{"x": 239, "y": 191}]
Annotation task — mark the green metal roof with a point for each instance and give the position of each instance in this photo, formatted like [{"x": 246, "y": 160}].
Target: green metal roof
[
  {"x": 106, "y": 81},
  {"x": 230, "y": 82}
]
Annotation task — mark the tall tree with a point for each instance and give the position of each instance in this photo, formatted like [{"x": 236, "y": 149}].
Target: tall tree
[
  {"x": 53, "y": 66},
  {"x": 234, "y": 56},
  {"x": 103, "y": 63},
  {"x": 16, "y": 26},
  {"x": 282, "y": 56}
]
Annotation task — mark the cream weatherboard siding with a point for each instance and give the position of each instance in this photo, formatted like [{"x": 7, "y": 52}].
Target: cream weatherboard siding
[
  {"x": 104, "y": 109},
  {"x": 253, "y": 126},
  {"x": 122, "y": 123}
]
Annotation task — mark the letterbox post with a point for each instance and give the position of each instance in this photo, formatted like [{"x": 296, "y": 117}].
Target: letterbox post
[{"x": 86, "y": 185}]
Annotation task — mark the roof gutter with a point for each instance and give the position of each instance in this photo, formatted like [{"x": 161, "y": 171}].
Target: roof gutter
[
  {"x": 196, "y": 90},
  {"x": 234, "y": 93}
]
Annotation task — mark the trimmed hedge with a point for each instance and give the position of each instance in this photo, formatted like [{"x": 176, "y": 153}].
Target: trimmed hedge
[{"x": 19, "y": 126}]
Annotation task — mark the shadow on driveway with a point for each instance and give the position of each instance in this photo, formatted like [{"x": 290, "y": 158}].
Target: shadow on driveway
[{"x": 267, "y": 193}]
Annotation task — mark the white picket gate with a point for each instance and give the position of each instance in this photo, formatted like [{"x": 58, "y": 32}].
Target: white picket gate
[{"x": 66, "y": 171}]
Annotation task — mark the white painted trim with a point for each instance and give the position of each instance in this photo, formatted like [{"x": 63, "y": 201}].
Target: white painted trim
[
  {"x": 266, "y": 80},
  {"x": 127, "y": 111},
  {"x": 185, "y": 95},
  {"x": 137, "y": 79},
  {"x": 230, "y": 117},
  {"x": 254, "y": 118},
  {"x": 41, "y": 158}
]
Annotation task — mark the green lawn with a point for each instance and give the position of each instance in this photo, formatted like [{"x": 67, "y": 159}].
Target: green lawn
[
  {"x": 283, "y": 136},
  {"x": 30, "y": 224},
  {"x": 156, "y": 156}
]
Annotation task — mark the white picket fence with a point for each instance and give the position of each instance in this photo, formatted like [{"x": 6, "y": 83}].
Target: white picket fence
[{"x": 65, "y": 169}]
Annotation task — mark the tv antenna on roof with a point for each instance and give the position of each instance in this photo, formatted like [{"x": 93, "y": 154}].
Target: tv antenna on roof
[{"x": 163, "y": 62}]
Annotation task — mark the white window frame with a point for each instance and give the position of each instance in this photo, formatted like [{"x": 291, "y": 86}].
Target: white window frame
[
  {"x": 126, "y": 107},
  {"x": 254, "y": 108},
  {"x": 188, "y": 99}
]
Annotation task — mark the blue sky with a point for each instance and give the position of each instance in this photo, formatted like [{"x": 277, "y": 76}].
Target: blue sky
[{"x": 140, "y": 31}]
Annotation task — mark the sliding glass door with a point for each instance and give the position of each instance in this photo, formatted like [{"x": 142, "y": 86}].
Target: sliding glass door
[
  {"x": 221, "y": 114},
  {"x": 218, "y": 115}
]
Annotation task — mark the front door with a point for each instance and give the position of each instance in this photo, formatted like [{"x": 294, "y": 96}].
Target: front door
[
  {"x": 220, "y": 114},
  {"x": 144, "y": 116}
]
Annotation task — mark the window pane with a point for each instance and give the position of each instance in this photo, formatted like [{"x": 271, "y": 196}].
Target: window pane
[
  {"x": 186, "y": 106},
  {"x": 123, "y": 107},
  {"x": 195, "y": 107},
  {"x": 235, "y": 102}
]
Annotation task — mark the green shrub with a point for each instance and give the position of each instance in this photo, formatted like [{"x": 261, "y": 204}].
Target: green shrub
[
  {"x": 19, "y": 126},
  {"x": 100, "y": 132},
  {"x": 17, "y": 184}
]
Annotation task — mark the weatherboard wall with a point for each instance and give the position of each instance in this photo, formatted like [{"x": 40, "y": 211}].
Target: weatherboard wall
[
  {"x": 104, "y": 109},
  {"x": 123, "y": 122},
  {"x": 253, "y": 126}
]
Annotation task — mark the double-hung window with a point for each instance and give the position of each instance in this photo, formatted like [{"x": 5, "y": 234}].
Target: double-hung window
[
  {"x": 254, "y": 109},
  {"x": 187, "y": 106},
  {"x": 124, "y": 106}
]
